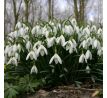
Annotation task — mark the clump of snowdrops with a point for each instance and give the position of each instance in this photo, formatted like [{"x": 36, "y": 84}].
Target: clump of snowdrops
[{"x": 57, "y": 51}]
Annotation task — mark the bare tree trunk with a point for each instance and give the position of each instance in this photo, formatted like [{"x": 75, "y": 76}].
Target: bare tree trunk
[
  {"x": 82, "y": 7},
  {"x": 49, "y": 10},
  {"x": 79, "y": 14},
  {"x": 32, "y": 13},
  {"x": 52, "y": 9},
  {"x": 16, "y": 13},
  {"x": 76, "y": 10},
  {"x": 40, "y": 12},
  {"x": 26, "y": 11}
]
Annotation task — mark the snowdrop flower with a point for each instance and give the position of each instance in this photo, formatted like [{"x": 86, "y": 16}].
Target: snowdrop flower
[
  {"x": 73, "y": 21},
  {"x": 13, "y": 61},
  {"x": 82, "y": 59},
  {"x": 93, "y": 28},
  {"x": 15, "y": 48},
  {"x": 6, "y": 49},
  {"x": 26, "y": 37},
  {"x": 100, "y": 52},
  {"x": 71, "y": 46},
  {"x": 68, "y": 45},
  {"x": 13, "y": 34},
  {"x": 68, "y": 30},
  {"x": 84, "y": 44},
  {"x": 76, "y": 28},
  {"x": 51, "y": 23},
  {"x": 18, "y": 25},
  {"x": 46, "y": 33},
  {"x": 34, "y": 69},
  {"x": 89, "y": 41},
  {"x": 99, "y": 32},
  {"x": 32, "y": 55},
  {"x": 28, "y": 45},
  {"x": 86, "y": 31},
  {"x": 17, "y": 56},
  {"x": 87, "y": 69},
  {"x": 74, "y": 42},
  {"x": 37, "y": 44},
  {"x": 42, "y": 51},
  {"x": 33, "y": 30},
  {"x": 56, "y": 59},
  {"x": 10, "y": 51},
  {"x": 88, "y": 55},
  {"x": 19, "y": 47},
  {"x": 50, "y": 42},
  {"x": 60, "y": 40},
  {"x": 22, "y": 32},
  {"x": 96, "y": 44}
]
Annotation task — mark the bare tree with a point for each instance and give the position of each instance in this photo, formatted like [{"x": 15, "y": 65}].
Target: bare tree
[
  {"x": 26, "y": 10},
  {"x": 15, "y": 11}
]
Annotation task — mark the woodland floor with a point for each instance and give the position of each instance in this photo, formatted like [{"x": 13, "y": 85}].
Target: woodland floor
[{"x": 69, "y": 92}]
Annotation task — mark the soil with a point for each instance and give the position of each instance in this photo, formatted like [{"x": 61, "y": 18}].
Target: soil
[{"x": 68, "y": 92}]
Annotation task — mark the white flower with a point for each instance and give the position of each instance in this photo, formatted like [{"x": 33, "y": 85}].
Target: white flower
[
  {"x": 84, "y": 44},
  {"x": 76, "y": 28},
  {"x": 93, "y": 28},
  {"x": 17, "y": 56},
  {"x": 28, "y": 45},
  {"x": 34, "y": 69},
  {"x": 42, "y": 51},
  {"x": 32, "y": 55},
  {"x": 37, "y": 44},
  {"x": 6, "y": 49},
  {"x": 60, "y": 40},
  {"x": 19, "y": 47},
  {"x": 87, "y": 69},
  {"x": 10, "y": 51},
  {"x": 56, "y": 59},
  {"x": 26, "y": 37},
  {"x": 14, "y": 34},
  {"x": 70, "y": 46},
  {"x": 96, "y": 44},
  {"x": 86, "y": 31},
  {"x": 18, "y": 25},
  {"x": 50, "y": 42},
  {"x": 74, "y": 42},
  {"x": 82, "y": 58},
  {"x": 13, "y": 61},
  {"x": 35, "y": 30},
  {"x": 88, "y": 55},
  {"x": 15, "y": 48},
  {"x": 89, "y": 41},
  {"x": 22, "y": 32},
  {"x": 73, "y": 21},
  {"x": 100, "y": 52},
  {"x": 68, "y": 30}
]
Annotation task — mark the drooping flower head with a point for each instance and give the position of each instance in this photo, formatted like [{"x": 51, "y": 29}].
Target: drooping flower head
[{"x": 56, "y": 58}]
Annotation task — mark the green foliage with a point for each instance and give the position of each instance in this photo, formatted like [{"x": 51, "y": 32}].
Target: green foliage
[
  {"x": 10, "y": 90},
  {"x": 28, "y": 84}
]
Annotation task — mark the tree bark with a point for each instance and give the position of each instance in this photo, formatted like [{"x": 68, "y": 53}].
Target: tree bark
[
  {"x": 26, "y": 10},
  {"x": 49, "y": 10},
  {"x": 79, "y": 14}
]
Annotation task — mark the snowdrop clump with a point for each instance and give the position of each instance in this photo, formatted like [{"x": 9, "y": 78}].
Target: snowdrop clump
[{"x": 52, "y": 43}]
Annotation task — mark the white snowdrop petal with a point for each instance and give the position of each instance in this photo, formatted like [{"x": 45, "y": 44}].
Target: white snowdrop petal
[
  {"x": 28, "y": 45},
  {"x": 55, "y": 58},
  {"x": 82, "y": 59},
  {"x": 34, "y": 69},
  {"x": 87, "y": 69}
]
